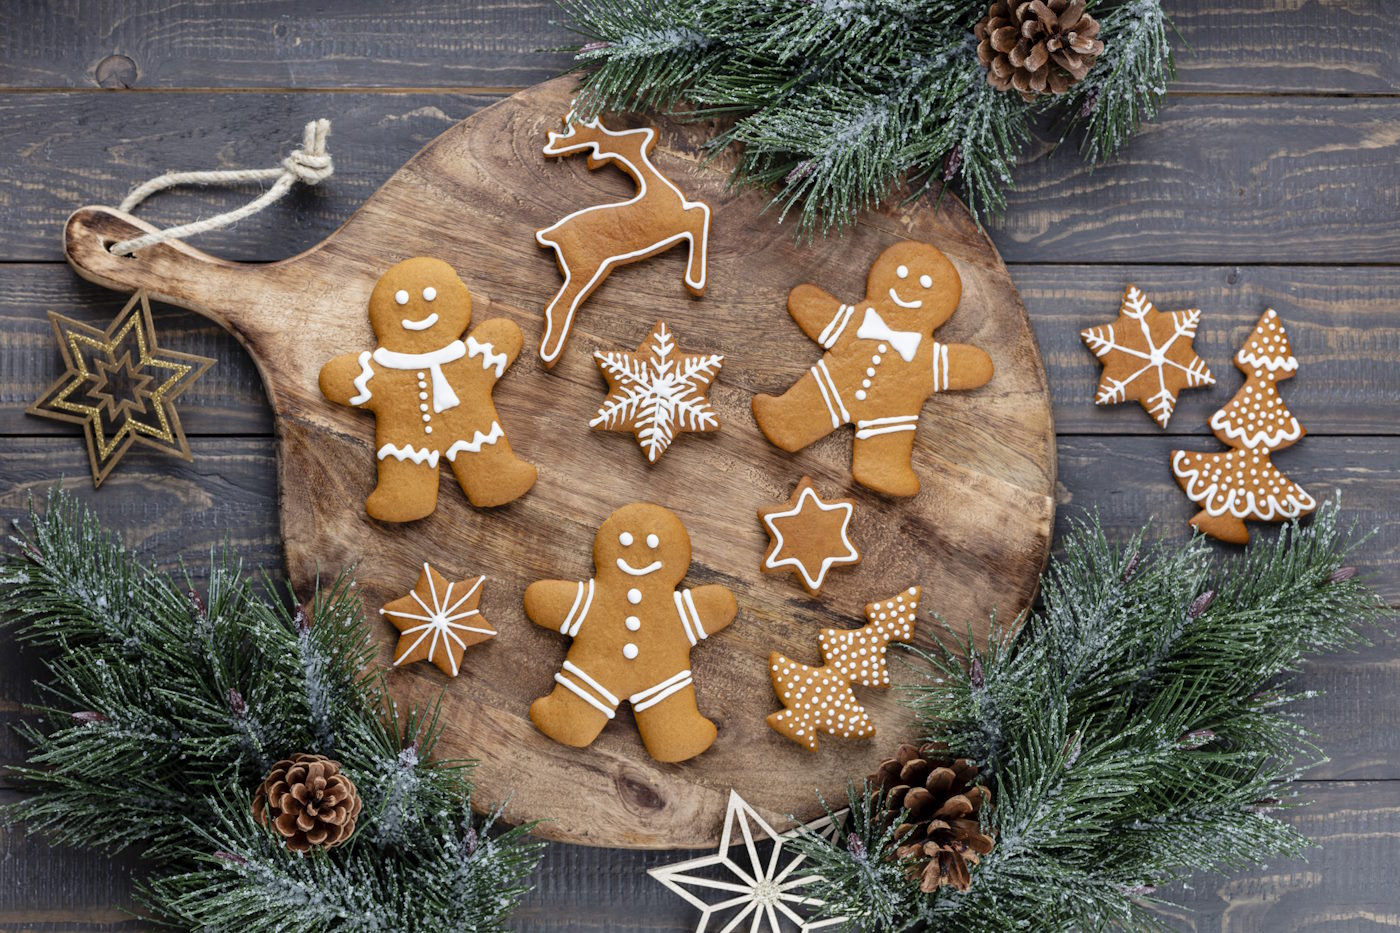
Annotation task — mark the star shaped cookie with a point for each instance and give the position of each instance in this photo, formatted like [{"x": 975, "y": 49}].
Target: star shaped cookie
[
  {"x": 657, "y": 392},
  {"x": 120, "y": 386},
  {"x": 438, "y": 621},
  {"x": 1147, "y": 356},
  {"x": 809, "y": 536}
]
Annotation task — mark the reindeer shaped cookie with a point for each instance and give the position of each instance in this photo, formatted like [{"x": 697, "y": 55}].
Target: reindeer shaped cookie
[{"x": 591, "y": 242}]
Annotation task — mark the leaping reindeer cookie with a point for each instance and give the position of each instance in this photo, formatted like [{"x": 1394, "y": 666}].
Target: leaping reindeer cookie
[{"x": 591, "y": 242}]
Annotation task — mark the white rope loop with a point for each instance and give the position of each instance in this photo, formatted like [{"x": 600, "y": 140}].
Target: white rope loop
[{"x": 310, "y": 165}]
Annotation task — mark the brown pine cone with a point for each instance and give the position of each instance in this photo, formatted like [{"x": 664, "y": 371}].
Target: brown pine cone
[
  {"x": 940, "y": 836},
  {"x": 308, "y": 801},
  {"x": 1037, "y": 46}
]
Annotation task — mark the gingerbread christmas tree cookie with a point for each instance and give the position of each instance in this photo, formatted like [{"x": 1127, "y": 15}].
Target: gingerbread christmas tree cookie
[
  {"x": 820, "y": 699},
  {"x": 632, "y": 634},
  {"x": 1242, "y": 484},
  {"x": 881, "y": 365},
  {"x": 809, "y": 536},
  {"x": 1147, "y": 356},
  {"x": 438, "y": 621},
  {"x": 657, "y": 392}
]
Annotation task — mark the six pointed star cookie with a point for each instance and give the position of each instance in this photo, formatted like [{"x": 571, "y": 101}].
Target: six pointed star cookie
[
  {"x": 1147, "y": 356},
  {"x": 438, "y": 621},
  {"x": 657, "y": 392},
  {"x": 809, "y": 536},
  {"x": 120, "y": 386}
]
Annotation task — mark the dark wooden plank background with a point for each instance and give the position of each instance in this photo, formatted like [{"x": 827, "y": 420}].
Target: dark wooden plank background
[{"x": 1271, "y": 178}]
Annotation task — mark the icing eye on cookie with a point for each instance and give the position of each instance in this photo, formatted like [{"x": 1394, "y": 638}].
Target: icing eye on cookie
[
  {"x": 625, "y": 539},
  {"x": 926, "y": 281},
  {"x": 430, "y": 293},
  {"x": 653, "y": 541},
  {"x": 902, "y": 272},
  {"x": 401, "y": 297}
]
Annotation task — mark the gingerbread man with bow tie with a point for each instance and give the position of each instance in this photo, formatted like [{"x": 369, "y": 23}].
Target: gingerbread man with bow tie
[{"x": 881, "y": 365}]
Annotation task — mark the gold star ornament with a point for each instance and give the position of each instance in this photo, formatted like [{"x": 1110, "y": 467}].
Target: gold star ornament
[
  {"x": 1147, "y": 356},
  {"x": 120, "y": 386},
  {"x": 438, "y": 621}
]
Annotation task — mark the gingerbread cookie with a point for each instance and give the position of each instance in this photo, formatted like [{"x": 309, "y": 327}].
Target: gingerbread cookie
[
  {"x": 809, "y": 536},
  {"x": 881, "y": 365},
  {"x": 438, "y": 621},
  {"x": 592, "y": 241},
  {"x": 657, "y": 392},
  {"x": 632, "y": 632},
  {"x": 820, "y": 699},
  {"x": 430, "y": 392},
  {"x": 1147, "y": 356},
  {"x": 1242, "y": 484}
]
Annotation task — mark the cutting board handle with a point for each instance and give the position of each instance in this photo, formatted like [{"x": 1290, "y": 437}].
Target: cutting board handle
[{"x": 172, "y": 271}]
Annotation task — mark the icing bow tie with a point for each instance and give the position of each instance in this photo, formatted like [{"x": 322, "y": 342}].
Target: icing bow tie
[{"x": 905, "y": 342}]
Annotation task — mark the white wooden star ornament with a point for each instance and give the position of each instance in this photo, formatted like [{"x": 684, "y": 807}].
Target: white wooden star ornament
[{"x": 764, "y": 890}]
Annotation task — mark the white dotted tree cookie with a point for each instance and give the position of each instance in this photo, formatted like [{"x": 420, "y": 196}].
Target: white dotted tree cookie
[
  {"x": 1242, "y": 484},
  {"x": 820, "y": 699},
  {"x": 632, "y": 634}
]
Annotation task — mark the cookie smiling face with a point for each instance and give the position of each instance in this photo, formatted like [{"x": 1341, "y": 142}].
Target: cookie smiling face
[
  {"x": 914, "y": 286},
  {"x": 418, "y": 306},
  {"x": 644, "y": 544}
]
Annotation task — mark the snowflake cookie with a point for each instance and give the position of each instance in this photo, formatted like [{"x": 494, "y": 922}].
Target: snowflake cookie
[
  {"x": 1147, "y": 356},
  {"x": 438, "y": 621},
  {"x": 809, "y": 536},
  {"x": 657, "y": 392},
  {"x": 820, "y": 699},
  {"x": 632, "y": 634}
]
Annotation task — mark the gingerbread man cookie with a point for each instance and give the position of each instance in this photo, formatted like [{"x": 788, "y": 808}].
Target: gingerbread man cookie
[
  {"x": 632, "y": 632},
  {"x": 430, "y": 392},
  {"x": 881, "y": 365}
]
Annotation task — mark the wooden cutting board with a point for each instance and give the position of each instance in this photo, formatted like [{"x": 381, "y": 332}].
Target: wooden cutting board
[{"x": 975, "y": 538}]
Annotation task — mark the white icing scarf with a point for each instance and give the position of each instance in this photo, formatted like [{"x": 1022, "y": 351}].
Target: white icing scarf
[{"x": 443, "y": 396}]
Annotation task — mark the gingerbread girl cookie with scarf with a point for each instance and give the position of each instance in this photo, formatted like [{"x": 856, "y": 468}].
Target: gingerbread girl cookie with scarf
[
  {"x": 430, "y": 392},
  {"x": 881, "y": 365}
]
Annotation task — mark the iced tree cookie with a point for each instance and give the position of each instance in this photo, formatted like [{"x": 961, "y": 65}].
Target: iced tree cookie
[
  {"x": 632, "y": 633},
  {"x": 592, "y": 241},
  {"x": 881, "y": 365},
  {"x": 430, "y": 393}
]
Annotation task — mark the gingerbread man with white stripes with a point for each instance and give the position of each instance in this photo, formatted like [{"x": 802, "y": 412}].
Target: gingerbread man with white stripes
[
  {"x": 881, "y": 365},
  {"x": 632, "y": 633}
]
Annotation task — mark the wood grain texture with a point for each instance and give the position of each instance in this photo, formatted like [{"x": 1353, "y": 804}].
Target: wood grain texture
[
  {"x": 1342, "y": 322},
  {"x": 1235, "y": 47},
  {"x": 1281, "y": 180},
  {"x": 474, "y": 197}
]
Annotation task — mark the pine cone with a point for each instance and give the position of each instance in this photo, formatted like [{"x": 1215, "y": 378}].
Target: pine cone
[
  {"x": 940, "y": 835},
  {"x": 1037, "y": 47},
  {"x": 308, "y": 801}
]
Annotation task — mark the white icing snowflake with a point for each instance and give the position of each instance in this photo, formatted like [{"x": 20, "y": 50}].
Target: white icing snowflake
[{"x": 657, "y": 392}]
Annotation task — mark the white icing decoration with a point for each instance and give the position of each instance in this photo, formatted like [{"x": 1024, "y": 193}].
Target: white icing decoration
[
  {"x": 362, "y": 380},
  {"x": 653, "y": 541},
  {"x": 424, "y": 324},
  {"x": 629, "y": 651},
  {"x": 429, "y": 293},
  {"x": 1102, "y": 340},
  {"x": 828, "y": 337},
  {"x": 902, "y": 272},
  {"x": 808, "y": 498},
  {"x": 555, "y": 336},
  {"x": 409, "y": 452},
  {"x": 905, "y": 342},
  {"x": 489, "y": 356},
  {"x": 940, "y": 366},
  {"x": 633, "y": 623},
  {"x": 443, "y": 396},
  {"x": 608, "y": 708},
  {"x": 638, "y": 571},
  {"x": 876, "y": 426},
  {"x": 657, "y": 393},
  {"x": 440, "y": 621},
  {"x": 401, "y": 297},
  {"x": 830, "y": 394},
  {"x": 916, "y": 303},
  {"x": 651, "y": 696},
  {"x": 634, "y": 596},
  {"x": 625, "y": 539},
  {"x": 575, "y": 618},
  {"x": 1204, "y": 487},
  {"x": 926, "y": 281},
  {"x": 477, "y": 442}
]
